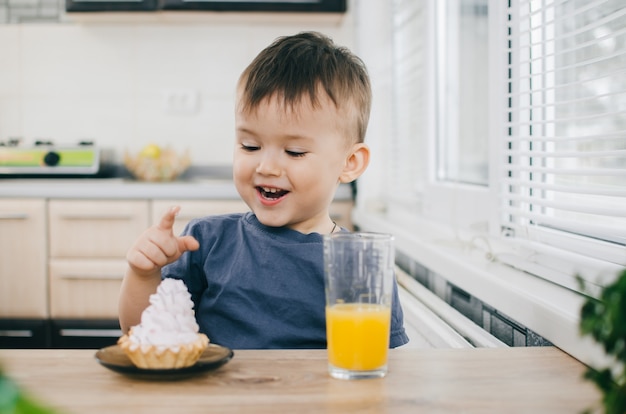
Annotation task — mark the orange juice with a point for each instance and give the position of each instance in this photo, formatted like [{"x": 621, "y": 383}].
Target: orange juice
[{"x": 358, "y": 335}]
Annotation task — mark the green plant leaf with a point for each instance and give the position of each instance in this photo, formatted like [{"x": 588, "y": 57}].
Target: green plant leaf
[{"x": 604, "y": 319}]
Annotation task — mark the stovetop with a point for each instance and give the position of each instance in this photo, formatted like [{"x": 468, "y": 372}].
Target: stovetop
[{"x": 44, "y": 158}]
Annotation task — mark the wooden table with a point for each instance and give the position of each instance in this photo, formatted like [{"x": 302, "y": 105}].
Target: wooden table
[{"x": 502, "y": 380}]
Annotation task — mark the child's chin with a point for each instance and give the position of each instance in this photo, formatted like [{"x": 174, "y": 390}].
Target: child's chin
[{"x": 269, "y": 221}]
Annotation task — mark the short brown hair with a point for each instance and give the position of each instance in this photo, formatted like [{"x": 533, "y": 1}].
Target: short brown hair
[{"x": 305, "y": 64}]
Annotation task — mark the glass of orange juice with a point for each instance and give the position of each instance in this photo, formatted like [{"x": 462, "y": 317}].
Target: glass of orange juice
[{"x": 358, "y": 277}]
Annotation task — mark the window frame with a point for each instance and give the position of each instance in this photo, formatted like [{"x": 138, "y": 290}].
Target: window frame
[
  {"x": 465, "y": 245},
  {"x": 477, "y": 211}
]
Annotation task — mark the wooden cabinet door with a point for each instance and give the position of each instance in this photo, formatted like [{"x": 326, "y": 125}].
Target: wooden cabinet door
[
  {"x": 95, "y": 228},
  {"x": 83, "y": 289},
  {"x": 23, "y": 258}
]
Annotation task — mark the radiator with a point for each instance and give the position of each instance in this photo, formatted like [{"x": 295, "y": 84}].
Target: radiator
[{"x": 432, "y": 323}]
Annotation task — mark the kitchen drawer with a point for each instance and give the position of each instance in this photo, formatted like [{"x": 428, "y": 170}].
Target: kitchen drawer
[
  {"x": 85, "y": 288},
  {"x": 24, "y": 333},
  {"x": 190, "y": 209},
  {"x": 23, "y": 259},
  {"x": 84, "y": 333},
  {"x": 95, "y": 228}
]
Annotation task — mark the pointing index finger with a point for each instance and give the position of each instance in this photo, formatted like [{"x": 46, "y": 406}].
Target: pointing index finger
[{"x": 167, "y": 221}]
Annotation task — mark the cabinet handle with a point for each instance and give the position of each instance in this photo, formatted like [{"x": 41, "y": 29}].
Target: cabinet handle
[
  {"x": 102, "y": 276},
  {"x": 16, "y": 333},
  {"x": 114, "y": 333},
  {"x": 96, "y": 216},
  {"x": 14, "y": 216}
]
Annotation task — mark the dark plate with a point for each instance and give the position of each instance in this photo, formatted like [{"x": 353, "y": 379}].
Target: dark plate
[{"x": 114, "y": 358}]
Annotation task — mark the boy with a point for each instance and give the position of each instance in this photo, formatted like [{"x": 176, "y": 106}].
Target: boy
[{"x": 256, "y": 279}]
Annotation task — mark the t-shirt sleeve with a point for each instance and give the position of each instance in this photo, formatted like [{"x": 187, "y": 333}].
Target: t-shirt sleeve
[{"x": 398, "y": 334}]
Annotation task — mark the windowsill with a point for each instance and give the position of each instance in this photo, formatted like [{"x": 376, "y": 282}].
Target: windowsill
[{"x": 549, "y": 310}]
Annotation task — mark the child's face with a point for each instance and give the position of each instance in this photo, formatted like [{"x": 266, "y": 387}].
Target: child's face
[{"x": 287, "y": 165}]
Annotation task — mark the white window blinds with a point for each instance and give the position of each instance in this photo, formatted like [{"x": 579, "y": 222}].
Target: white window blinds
[{"x": 565, "y": 151}]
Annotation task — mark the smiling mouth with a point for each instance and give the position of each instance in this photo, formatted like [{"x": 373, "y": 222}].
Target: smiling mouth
[{"x": 271, "y": 193}]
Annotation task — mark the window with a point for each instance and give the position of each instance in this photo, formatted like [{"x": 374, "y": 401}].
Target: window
[
  {"x": 510, "y": 118},
  {"x": 462, "y": 81},
  {"x": 564, "y": 182},
  {"x": 439, "y": 110}
]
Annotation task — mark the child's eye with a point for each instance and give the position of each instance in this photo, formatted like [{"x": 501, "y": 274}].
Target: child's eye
[
  {"x": 249, "y": 148},
  {"x": 295, "y": 153}
]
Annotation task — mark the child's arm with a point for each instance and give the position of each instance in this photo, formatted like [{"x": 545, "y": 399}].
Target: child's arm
[{"x": 156, "y": 247}]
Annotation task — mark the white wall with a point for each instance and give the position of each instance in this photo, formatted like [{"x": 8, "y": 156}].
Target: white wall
[{"x": 104, "y": 81}]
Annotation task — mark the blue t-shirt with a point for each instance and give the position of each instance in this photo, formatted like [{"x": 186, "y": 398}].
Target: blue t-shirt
[{"x": 260, "y": 287}]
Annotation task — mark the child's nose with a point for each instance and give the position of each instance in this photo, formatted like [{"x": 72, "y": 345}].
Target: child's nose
[{"x": 268, "y": 165}]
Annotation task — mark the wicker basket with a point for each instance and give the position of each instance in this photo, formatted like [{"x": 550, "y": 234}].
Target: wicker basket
[{"x": 167, "y": 166}]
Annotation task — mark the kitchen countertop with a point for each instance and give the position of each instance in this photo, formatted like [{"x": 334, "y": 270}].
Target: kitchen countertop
[{"x": 199, "y": 188}]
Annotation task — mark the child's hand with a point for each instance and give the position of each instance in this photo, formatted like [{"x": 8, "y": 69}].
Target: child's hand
[{"x": 158, "y": 246}]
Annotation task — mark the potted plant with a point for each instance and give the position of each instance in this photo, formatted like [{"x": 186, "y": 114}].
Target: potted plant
[{"x": 604, "y": 319}]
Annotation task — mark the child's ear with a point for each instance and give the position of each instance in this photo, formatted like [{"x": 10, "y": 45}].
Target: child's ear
[{"x": 357, "y": 161}]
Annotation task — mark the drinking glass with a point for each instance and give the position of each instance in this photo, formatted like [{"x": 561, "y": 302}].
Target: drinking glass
[{"x": 358, "y": 277}]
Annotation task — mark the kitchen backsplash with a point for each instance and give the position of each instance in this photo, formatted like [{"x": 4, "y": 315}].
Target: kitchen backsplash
[{"x": 124, "y": 84}]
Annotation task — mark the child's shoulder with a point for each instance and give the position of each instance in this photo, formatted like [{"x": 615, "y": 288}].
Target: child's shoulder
[{"x": 214, "y": 224}]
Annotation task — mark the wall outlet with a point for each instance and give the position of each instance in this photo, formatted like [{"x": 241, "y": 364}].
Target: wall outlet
[{"x": 180, "y": 101}]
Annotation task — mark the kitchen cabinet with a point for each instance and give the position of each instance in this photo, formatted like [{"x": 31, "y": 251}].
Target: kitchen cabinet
[
  {"x": 23, "y": 259},
  {"x": 95, "y": 229},
  {"x": 325, "y": 6},
  {"x": 85, "y": 288},
  {"x": 110, "y": 5},
  {"x": 88, "y": 244},
  {"x": 306, "y": 6},
  {"x": 88, "y": 241},
  {"x": 23, "y": 295}
]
